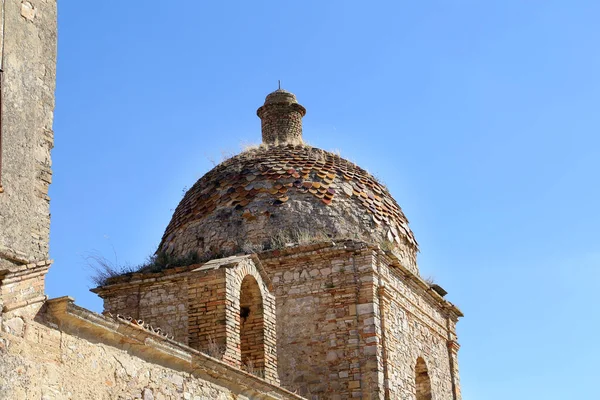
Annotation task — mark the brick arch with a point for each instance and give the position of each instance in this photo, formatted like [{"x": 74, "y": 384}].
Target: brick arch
[
  {"x": 217, "y": 294},
  {"x": 248, "y": 268},
  {"x": 422, "y": 380},
  {"x": 252, "y": 327}
]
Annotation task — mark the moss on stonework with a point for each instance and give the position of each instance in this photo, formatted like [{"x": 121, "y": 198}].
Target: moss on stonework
[
  {"x": 104, "y": 270},
  {"x": 161, "y": 261}
]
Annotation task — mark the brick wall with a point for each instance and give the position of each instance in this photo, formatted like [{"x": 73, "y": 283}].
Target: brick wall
[
  {"x": 160, "y": 301},
  {"x": 201, "y": 306},
  {"x": 232, "y": 315},
  {"x": 252, "y": 328},
  {"x": 282, "y": 123},
  {"x": 164, "y": 305},
  {"x": 281, "y": 119}
]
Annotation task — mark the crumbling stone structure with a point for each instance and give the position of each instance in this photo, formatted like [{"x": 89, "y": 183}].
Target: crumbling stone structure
[
  {"x": 28, "y": 62},
  {"x": 285, "y": 191},
  {"x": 352, "y": 316},
  {"x": 52, "y": 349},
  {"x": 305, "y": 282},
  {"x": 28, "y": 59},
  {"x": 224, "y": 308}
]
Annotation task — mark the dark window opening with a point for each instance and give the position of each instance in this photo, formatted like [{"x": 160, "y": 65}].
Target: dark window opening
[
  {"x": 244, "y": 313},
  {"x": 252, "y": 332}
]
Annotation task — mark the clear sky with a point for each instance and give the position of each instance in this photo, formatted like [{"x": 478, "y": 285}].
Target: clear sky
[{"x": 480, "y": 116}]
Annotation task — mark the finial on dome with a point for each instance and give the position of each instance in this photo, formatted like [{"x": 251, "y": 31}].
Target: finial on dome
[{"x": 281, "y": 118}]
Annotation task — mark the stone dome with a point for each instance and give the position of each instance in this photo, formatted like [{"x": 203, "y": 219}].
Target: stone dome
[{"x": 284, "y": 193}]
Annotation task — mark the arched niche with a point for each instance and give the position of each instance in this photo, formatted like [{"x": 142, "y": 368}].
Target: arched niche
[
  {"x": 252, "y": 329},
  {"x": 422, "y": 380}
]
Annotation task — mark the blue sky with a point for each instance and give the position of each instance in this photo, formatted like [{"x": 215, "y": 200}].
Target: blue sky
[{"x": 481, "y": 117}]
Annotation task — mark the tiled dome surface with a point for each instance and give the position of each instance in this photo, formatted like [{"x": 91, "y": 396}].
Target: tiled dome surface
[{"x": 254, "y": 196}]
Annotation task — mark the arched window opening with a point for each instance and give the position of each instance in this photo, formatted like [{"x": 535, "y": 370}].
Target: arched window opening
[
  {"x": 252, "y": 334},
  {"x": 422, "y": 381}
]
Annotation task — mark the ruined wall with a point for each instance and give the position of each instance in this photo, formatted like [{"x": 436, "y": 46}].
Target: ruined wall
[
  {"x": 159, "y": 301},
  {"x": 71, "y": 353},
  {"x": 27, "y": 137},
  {"x": 200, "y": 306},
  {"x": 326, "y": 338},
  {"x": 206, "y": 305},
  {"x": 351, "y": 321},
  {"x": 164, "y": 305},
  {"x": 347, "y": 314},
  {"x": 216, "y": 293},
  {"x": 48, "y": 364},
  {"x": 21, "y": 295},
  {"x": 415, "y": 326}
]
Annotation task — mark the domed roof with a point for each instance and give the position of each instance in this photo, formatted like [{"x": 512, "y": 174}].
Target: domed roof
[
  {"x": 280, "y": 96},
  {"x": 286, "y": 192}
]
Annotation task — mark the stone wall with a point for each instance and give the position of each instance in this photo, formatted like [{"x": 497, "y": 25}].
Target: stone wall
[
  {"x": 164, "y": 305},
  {"x": 21, "y": 295},
  {"x": 207, "y": 307},
  {"x": 326, "y": 337},
  {"x": 352, "y": 314},
  {"x": 415, "y": 323},
  {"x": 201, "y": 306},
  {"x": 157, "y": 300},
  {"x": 28, "y": 102},
  {"x": 351, "y": 320},
  {"x": 48, "y": 364},
  {"x": 71, "y": 353}
]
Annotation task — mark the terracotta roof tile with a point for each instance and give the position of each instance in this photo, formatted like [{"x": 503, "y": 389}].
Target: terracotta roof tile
[{"x": 279, "y": 170}]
